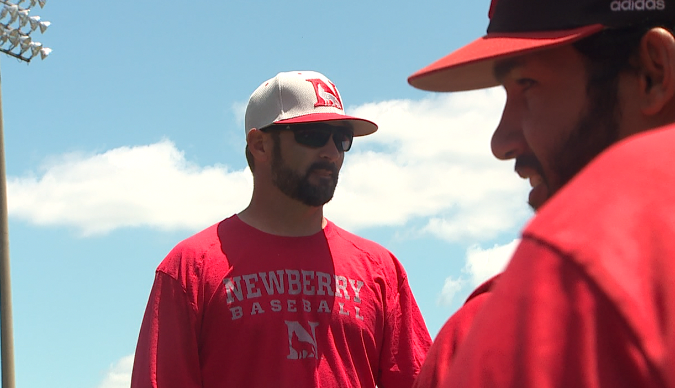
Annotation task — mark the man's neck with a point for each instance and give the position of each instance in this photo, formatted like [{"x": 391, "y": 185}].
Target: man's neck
[{"x": 283, "y": 216}]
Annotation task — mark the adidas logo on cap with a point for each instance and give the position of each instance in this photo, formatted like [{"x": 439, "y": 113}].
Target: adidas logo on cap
[{"x": 638, "y": 5}]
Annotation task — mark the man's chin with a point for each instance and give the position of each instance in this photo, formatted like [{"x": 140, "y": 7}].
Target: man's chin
[
  {"x": 315, "y": 201},
  {"x": 316, "y": 195},
  {"x": 538, "y": 196}
]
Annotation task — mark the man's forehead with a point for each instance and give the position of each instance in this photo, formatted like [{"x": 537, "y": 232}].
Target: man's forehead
[{"x": 553, "y": 58}]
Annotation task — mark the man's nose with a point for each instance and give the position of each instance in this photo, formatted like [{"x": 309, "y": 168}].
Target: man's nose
[{"x": 508, "y": 140}]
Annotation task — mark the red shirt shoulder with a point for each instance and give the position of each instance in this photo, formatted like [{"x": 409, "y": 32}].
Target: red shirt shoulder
[{"x": 437, "y": 364}]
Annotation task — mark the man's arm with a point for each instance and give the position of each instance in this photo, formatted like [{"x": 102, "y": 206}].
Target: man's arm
[
  {"x": 167, "y": 351},
  {"x": 406, "y": 339}
]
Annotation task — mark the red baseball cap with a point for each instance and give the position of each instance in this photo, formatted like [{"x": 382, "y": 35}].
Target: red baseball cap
[{"x": 523, "y": 26}]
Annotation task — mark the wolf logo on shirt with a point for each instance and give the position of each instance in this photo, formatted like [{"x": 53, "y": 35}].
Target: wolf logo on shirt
[{"x": 301, "y": 343}]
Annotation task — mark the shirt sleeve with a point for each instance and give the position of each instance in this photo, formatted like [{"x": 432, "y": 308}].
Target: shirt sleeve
[
  {"x": 406, "y": 340},
  {"x": 167, "y": 350},
  {"x": 547, "y": 324}
]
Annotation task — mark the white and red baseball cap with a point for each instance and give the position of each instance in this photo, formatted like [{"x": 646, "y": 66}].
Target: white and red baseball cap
[
  {"x": 300, "y": 97},
  {"x": 522, "y": 26}
]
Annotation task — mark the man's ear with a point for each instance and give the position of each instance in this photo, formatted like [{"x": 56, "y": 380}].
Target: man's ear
[
  {"x": 656, "y": 59},
  {"x": 259, "y": 145}
]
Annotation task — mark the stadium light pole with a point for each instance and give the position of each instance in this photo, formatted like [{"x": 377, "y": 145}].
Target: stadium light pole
[{"x": 15, "y": 40}]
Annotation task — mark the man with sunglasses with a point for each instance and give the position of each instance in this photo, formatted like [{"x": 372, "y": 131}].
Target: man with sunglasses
[
  {"x": 278, "y": 296},
  {"x": 588, "y": 299}
]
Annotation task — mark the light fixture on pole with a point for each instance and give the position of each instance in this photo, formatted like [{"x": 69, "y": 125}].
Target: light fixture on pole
[{"x": 16, "y": 27}]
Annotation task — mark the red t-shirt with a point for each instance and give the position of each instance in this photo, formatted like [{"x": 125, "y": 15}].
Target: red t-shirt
[
  {"x": 588, "y": 300},
  {"x": 235, "y": 307},
  {"x": 437, "y": 363}
]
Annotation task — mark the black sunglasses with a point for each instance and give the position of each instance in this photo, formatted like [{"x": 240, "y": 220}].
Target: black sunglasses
[{"x": 316, "y": 135}]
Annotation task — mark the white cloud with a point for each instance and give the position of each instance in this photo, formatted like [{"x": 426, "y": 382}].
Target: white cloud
[
  {"x": 119, "y": 374},
  {"x": 429, "y": 161},
  {"x": 481, "y": 264},
  {"x": 130, "y": 186},
  {"x": 451, "y": 287}
]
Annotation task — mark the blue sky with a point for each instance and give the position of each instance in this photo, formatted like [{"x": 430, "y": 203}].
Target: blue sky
[{"x": 130, "y": 137}]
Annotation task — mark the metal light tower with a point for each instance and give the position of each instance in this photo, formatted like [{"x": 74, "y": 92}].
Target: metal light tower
[{"x": 15, "y": 41}]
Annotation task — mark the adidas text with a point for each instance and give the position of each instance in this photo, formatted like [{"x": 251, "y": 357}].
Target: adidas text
[{"x": 638, "y": 5}]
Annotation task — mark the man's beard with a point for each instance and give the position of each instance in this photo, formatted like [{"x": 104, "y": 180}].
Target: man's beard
[
  {"x": 596, "y": 129},
  {"x": 299, "y": 187}
]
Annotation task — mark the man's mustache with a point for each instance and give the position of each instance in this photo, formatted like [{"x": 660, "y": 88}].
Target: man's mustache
[
  {"x": 529, "y": 161},
  {"x": 324, "y": 166}
]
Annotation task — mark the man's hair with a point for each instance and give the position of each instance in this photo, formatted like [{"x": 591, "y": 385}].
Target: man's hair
[{"x": 610, "y": 52}]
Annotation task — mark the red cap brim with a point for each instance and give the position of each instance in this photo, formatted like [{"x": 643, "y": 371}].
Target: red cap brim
[
  {"x": 361, "y": 127},
  {"x": 472, "y": 66}
]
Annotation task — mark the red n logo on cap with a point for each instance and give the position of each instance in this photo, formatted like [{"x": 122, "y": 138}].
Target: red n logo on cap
[{"x": 326, "y": 95}]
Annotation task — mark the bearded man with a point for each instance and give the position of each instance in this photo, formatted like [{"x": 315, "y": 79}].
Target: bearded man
[{"x": 278, "y": 296}]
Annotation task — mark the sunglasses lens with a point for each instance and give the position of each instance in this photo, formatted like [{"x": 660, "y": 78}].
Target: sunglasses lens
[
  {"x": 343, "y": 140},
  {"x": 317, "y": 136},
  {"x": 312, "y": 137}
]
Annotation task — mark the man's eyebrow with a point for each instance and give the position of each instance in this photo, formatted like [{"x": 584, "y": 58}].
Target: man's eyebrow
[{"x": 503, "y": 68}]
